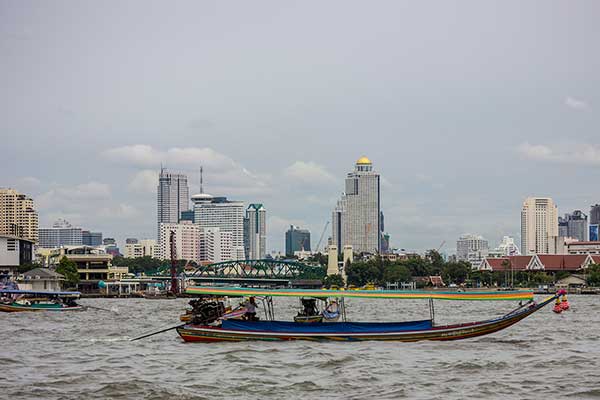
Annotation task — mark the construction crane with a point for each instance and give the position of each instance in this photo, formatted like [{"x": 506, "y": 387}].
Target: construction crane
[
  {"x": 321, "y": 238},
  {"x": 441, "y": 245}
]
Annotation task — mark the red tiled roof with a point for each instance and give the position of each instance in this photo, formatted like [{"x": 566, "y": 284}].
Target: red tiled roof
[
  {"x": 496, "y": 263},
  {"x": 520, "y": 262},
  {"x": 551, "y": 262},
  {"x": 558, "y": 262},
  {"x": 596, "y": 259}
]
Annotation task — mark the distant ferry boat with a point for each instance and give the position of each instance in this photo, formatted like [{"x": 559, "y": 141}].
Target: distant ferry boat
[{"x": 14, "y": 300}]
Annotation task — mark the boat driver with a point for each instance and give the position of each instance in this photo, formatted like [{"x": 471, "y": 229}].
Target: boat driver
[{"x": 250, "y": 314}]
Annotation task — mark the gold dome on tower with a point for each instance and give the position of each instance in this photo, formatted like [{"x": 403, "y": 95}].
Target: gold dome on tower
[{"x": 363, "y": 160}]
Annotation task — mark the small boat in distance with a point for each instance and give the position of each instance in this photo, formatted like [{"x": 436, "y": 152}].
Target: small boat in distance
[
  {"x": 14, "y": 300},
  {"x": 217, "y": 328}
]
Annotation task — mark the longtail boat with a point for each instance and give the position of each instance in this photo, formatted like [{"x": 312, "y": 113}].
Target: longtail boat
[
  {"x": 13, "y": 300},
  {"x": 211, "y": 327}
]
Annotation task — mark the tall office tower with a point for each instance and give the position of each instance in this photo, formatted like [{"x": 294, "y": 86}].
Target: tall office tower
[
  {"x": 539, "y": 226},
  {"x": 17, "y": 215},
  {"x": 215, "y": 245},
  {"x": 574, "y": 225},
  {"x": 296, "y": 239},
  {"x": 173, "y": 197},
  {"x": 594, "y": 223},
  {"x": 187, "y": 241},
  {"x": 471, "y": 248},
  {"x": 227, "y": 215},
  {"x": 255, "y": 232},
  {"x": 62, "y": 233},
  {"x": 356, "y": 218},
  {"x": 595, "y": 214},
  {"x": 91, "y": 238}
]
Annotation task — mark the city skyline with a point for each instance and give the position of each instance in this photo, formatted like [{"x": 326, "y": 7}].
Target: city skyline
[{"x": 452, "y": 120}]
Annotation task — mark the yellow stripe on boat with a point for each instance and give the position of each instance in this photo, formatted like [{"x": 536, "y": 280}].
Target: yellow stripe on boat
[{"x": 373, "y": 294}]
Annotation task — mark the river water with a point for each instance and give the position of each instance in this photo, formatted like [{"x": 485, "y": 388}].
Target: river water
[{"x": 88, "y": 355}]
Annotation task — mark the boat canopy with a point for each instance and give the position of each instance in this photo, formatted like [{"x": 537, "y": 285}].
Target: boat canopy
[
  {"x": 41, "y": 292},
  {"x": 371, "y": 294}
]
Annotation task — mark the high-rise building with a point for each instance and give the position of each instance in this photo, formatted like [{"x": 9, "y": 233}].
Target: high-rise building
[
  {"x": 255, "y": 232},
  {"x": 574, "y": 225},
  {"x": 173, "y": 197},
  {"x": 357, "y": 216},
  {"x": 594, "y": 223},
  {"x": 91, "y": 238},
  {"x": 539, "y": 226},
  {"x": 215, "y": 246},
  {"x": 471, "y": 248},
  {"x": 17, "y": 216},
  {"x": 595, "y": 214},
  {"x": 187, "y": 241},
  {"x": 62, "y": 233},
  {"x": 227, "y": 215},
  {"x": 296, "y": 239}
]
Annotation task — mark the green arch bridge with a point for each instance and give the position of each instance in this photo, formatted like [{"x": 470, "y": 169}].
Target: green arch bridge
[{"x": 259, "y": 269}]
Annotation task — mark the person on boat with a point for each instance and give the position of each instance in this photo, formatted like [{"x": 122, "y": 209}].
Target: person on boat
[{"x": 250, "y": 314}]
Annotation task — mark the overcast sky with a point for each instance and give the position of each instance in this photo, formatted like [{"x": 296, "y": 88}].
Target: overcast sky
[{"x": 465, "y": 108}]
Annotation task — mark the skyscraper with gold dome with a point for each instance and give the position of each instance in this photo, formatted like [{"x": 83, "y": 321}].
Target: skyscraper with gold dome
[{"x": 356, "y": 219}]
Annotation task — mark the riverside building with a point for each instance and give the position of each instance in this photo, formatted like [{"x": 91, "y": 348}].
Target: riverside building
[{"x": 356, "y": 218}]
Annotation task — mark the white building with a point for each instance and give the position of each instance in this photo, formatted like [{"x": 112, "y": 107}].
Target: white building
[
  {"x": 187, "y": 241},
  {"x": 62, "y": 233},
  {"x": 172, "y": 197},
  {"x": 587, "y": 247},
  {"x": 14, "y": 252},
  {"x": 507, "y": 247},
  {"x": 41, "y": 279},
  {"x": 215, "y": 246},
  {"x": 357, "y": 217},
  {"x": 227, "y": 215},
  {"x": 471, "y": 248},
  {"x": 255, "y": 232},
  {"x": 143, "y": 248},
  {"x": 539, "y": 226}
]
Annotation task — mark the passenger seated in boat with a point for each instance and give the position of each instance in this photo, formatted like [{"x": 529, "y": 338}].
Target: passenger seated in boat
[{"x": 250, "y": 314}]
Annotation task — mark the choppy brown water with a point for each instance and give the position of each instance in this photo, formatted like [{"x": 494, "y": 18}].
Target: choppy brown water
[{"x": 88, "y": 355}]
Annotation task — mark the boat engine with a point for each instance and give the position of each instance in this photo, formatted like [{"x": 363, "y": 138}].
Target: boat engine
[{"x": 205, "y": 311}]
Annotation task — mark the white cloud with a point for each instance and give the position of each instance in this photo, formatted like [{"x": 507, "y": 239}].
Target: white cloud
[
  {"x": 309, "y": 172},
  {"x": 581, "y": 154},
  {"x": 119, "y": 212},
  {"x": 73, "y": 196},
  {"x": 29, "y": 182},
  {"x": 142, "y": 155},
  {"x": 575, "y": 103},
  {"x": 139, "y": 155},
  {"x": 222, "y": 175}
]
